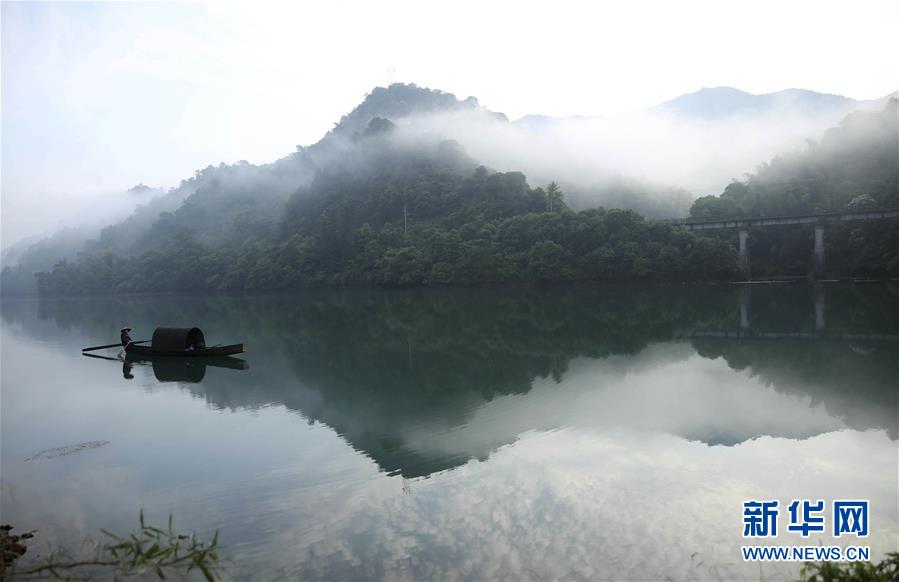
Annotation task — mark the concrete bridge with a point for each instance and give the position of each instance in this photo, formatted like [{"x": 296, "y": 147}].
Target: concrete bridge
[
  {"x": 819, "y": 220},
  {"x": 820, "y": 333}
]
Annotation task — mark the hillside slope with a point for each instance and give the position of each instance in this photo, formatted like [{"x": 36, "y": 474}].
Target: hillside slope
[
  {"x": 382, "y": 201},
  {"x": 854, "y": 167}
]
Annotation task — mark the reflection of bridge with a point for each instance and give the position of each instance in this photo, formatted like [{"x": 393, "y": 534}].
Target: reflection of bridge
[
  {"x": 819, "y": 334},
  {"x": 819, "y": 220},
  {"x": 794, "y": 335}
]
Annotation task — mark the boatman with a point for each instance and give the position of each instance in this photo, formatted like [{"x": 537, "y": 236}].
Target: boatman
[{"x": 126, "y": 339}]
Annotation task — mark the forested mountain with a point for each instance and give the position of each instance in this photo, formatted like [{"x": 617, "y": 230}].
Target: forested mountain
[
  {"x": 384, "y": 211},
  {"x": 658, "y": 160},
  {"x": 381, "y": 200},
  {"x": 219, "y": 204},
  {"x": 717, "y": 102},
  {"x": 23, "y": 260},
  {"x": 854, "y": 167},
  {"x": 399, "y": 101}
]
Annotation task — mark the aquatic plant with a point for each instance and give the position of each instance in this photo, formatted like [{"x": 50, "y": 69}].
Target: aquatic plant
[
  {"x": 150, "y": 550},
  {"x": 884, "y": 571}
]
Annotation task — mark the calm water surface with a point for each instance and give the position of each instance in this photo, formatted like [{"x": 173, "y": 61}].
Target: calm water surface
[{"x": 567, "y": 433}]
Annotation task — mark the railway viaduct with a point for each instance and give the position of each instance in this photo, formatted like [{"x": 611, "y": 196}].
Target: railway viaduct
[{"x": 819, "y": 220}]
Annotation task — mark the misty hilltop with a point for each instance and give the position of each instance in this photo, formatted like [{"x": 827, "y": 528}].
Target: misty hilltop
[
  {"x": 717, "y": 103},
  {"x": 721, "y": 102},
  {"x": 414, "y": 185},
  {"x": 400, "y": 101},
  {"x": 655, "y": 160}
]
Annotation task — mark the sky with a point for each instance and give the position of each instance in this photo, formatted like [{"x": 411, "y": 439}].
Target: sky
[{"x": 97, "y": 97}]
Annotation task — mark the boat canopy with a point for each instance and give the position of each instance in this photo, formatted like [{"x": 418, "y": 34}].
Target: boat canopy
[
  {"x": 177, "y": 339},
  {"x": 178, "y": 369}
]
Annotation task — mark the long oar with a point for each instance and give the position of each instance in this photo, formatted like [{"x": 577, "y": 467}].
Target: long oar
[
  {"x": 118, "y": 345},
  {"x": 100, "y": 357},
  {"x": 119, "y": 360}
]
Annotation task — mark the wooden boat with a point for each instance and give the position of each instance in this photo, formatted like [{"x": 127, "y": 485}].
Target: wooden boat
[
  {"x": 184, "y": 342},
  {"x": 167, "y": 369},
  {"x": 214, "y": 361},
  {"x": 195, "y": 353}
]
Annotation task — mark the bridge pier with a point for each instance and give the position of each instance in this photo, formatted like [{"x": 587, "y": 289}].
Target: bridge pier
[
  {"x": 819, "y": 307},
  {"x": 819, "y": 250},
  {"x": 819, "y": 220},
  {"x": 745, "y": 299},
  {"x": 744, "y": 249}
]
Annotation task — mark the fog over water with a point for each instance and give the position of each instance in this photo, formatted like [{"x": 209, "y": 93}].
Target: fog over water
[
  {"x": 100, "y": 97},
  {"x": 562, "y": 424}
]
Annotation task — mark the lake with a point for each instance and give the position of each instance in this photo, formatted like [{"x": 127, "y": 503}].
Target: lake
[{"x": 577, "y": 433}]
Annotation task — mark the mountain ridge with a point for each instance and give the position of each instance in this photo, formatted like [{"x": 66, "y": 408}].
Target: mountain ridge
[
  {"x": 220, "y": 201},
  {"x": 723, "y": 101}
]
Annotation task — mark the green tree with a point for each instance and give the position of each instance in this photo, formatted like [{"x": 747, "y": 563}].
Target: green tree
[
  {"x": 548, "y": 261},
  {"x": 554, "y": 198}
]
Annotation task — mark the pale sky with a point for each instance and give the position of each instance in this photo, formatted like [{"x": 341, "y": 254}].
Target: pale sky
[{"x": 97, "y": 97}]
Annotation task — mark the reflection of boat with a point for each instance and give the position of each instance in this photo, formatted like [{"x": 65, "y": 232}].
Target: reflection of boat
[
  {"x": 187, "y": 369},
  {"x": 183, "y": 342},
  {"x": 214, "y": 361},
  {"x": 167, "y": 369}
]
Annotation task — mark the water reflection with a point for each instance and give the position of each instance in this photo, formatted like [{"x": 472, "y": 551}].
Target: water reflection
[
  {"x": 169, "y": 369},
  {"x": 423, "y": 382},
  {"x": 562, "y": 433}
]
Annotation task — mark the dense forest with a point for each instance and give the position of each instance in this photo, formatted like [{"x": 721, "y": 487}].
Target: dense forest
[
  {"x": 367, "y": 207},
  {"x": 854, "y": 167},
  {"x": 411, "y": 218}
]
